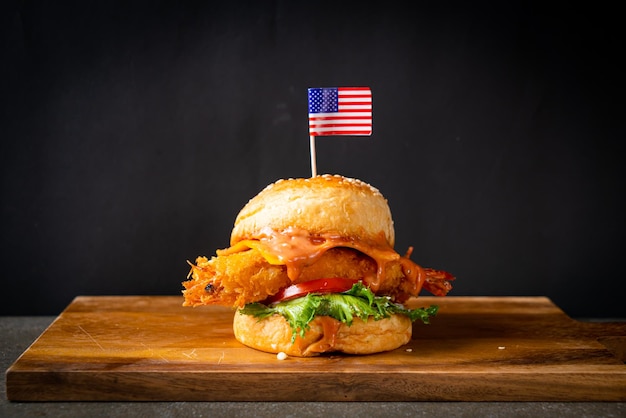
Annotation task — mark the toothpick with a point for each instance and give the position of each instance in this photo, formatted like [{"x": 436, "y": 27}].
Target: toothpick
[{"x": 313, "y": 160}]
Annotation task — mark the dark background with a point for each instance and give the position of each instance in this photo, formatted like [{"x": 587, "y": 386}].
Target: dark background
[{"x": 132, "y": 134}]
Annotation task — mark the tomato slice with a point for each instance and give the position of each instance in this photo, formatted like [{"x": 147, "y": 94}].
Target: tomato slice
[{"x": 329, "y": 285}]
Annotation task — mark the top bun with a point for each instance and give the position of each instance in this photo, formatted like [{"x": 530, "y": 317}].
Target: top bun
[{"x": 326, "y": 204}]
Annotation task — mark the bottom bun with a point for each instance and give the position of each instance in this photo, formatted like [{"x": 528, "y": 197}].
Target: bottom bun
[{"x": 273, "y": 335}]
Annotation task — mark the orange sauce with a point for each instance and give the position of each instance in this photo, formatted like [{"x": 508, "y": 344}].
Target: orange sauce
[
  {"x": 330, "y": 328},
  {"x": 297, "y": 249}
]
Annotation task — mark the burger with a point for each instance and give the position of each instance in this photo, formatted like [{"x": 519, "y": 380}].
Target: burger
[{"x": 312, "y": 269}]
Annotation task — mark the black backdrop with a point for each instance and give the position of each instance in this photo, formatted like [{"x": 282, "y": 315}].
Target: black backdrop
[{"x": 132, "y": 133}]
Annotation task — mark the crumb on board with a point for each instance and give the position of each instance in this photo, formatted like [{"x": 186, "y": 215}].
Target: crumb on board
[
  {"x": 281, "y": 356},
  {"x": 501, "y": 347}
]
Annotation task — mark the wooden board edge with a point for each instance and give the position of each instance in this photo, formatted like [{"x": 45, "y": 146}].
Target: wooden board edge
[{"x": 362, "y": 387}]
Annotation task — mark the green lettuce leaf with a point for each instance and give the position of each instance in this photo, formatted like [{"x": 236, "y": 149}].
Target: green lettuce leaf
[{"x": 358, "y": 302}]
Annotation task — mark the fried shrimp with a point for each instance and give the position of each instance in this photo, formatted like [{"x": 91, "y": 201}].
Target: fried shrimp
[
  {"x": 233, "y": 280},
  {"x": 246, "y": 276}
]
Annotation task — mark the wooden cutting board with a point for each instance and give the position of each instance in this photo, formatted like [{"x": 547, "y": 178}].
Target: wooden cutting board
[{"x": 136, "y": 348}]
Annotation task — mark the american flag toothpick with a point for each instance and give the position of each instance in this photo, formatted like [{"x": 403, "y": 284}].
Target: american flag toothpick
[{"x": 338, "y": 111}]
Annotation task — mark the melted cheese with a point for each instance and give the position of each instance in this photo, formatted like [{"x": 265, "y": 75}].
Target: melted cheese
[{"x": 296, "y": 249}]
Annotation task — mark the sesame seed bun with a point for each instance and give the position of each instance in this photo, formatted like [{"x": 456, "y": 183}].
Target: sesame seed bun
[{"x": 326, "y": 204}]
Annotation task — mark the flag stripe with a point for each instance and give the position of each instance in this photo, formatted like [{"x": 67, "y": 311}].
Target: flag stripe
[
  {"x": 362, "y": 97},
  {"x": 354, "y": 90},
  {"x": 346, "y": 117},
  {"x": 353, "y": 122},
  {"x": 347, "y": 131},
  {"x": 364, "y": 113},
  {"x": 343, "y": 108},
  {"x": 352, "y": 101},
  {"x": 340, "y": 126}
]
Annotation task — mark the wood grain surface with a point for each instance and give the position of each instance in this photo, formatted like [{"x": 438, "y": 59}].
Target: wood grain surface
[{"x": 150, "y": 348}]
